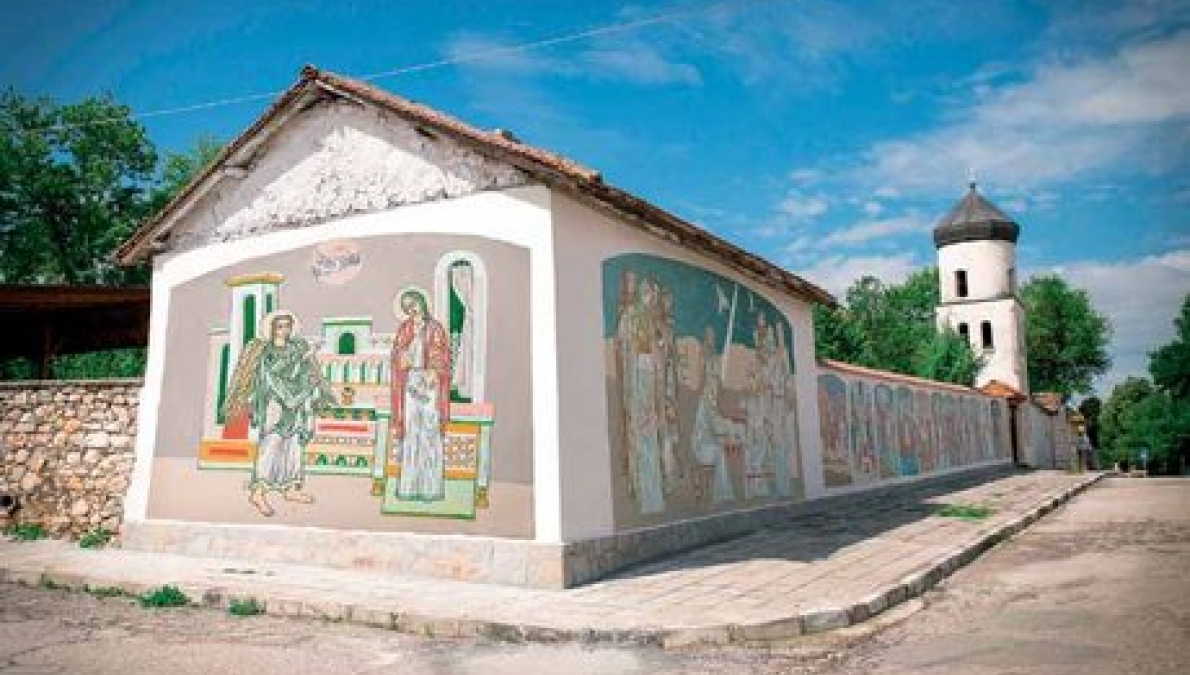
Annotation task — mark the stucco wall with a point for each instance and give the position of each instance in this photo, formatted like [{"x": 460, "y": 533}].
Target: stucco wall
[
  {"x": 1046, "y": 438},
  {"x": 597, "y": 497},
  {"x": 882, "y": 428},
  {"x": 66, "y": 452},
  {"x": 987, "y": 264},
  {"x": 195, "y": 473},
  {"x": 337, "y": 159}
]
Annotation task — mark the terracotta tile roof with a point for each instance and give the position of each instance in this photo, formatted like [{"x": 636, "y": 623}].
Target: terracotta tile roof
[
  {"x": 1002, "y": 390},
  {"x": 861, "y": 371},
  {"x": 1050, "y": 401},
  {"x": 554, "y": 170}
]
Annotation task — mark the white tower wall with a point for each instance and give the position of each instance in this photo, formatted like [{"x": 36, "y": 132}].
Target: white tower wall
[{"x": 990, "y": 267}]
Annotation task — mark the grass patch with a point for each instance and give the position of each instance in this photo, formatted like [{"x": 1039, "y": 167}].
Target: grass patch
[
  {"x": 166, "y": 596},
  {"x": 965, "y": 512},
  {"x": 105, "y": 591},
  {"x": 95, "y": 539},
  {"x": 51, "y": 585},
  {"x": 25, "y": 531},
  {"x": 245, "y": 607}
]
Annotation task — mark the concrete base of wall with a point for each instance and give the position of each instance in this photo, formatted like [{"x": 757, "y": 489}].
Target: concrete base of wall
[
  {"x": 485, "y": 559},
  {"x": 465, "y": 558}
]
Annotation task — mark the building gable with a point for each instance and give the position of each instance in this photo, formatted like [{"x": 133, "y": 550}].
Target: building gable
[{"x": 333, "y": 159}]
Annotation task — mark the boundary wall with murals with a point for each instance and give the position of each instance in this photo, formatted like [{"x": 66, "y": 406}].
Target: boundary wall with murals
[
  {"x": 1046, "y": 438},
  {"x": 879, "y": 428}
]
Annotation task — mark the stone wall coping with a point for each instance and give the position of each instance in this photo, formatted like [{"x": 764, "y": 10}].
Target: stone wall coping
[{"x": 53, "y": 384}]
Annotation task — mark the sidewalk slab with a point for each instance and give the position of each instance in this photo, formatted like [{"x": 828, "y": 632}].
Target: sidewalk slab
[{"x": 818, "y": 572}]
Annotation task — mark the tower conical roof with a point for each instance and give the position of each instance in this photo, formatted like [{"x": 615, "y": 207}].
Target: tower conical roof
[{"x": 975, "y": 218}]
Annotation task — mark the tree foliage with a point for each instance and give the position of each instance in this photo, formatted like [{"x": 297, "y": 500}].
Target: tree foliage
[
  {"x": 1170, "y": 365},
  {"x": 892, "y": 327},
  {"x": 1091, "y": 409},
  {"x": 74, "y": 182},
  {"x": 1065, "y": 338},
  {"x": 1153, "y": 417}
]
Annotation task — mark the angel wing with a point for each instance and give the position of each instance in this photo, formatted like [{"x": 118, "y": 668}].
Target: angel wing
[{"x": 244, "y": 380}]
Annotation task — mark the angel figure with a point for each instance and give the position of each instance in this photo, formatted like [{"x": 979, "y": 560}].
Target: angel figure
[{"x": 277, "y": 383}]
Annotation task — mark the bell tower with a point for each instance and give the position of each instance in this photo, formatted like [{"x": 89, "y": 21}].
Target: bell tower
[{"x": 976, "y": 245}]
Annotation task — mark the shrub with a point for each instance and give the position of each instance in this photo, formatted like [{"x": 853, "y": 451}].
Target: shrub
[
  {"x": 166, "y": 596},
  {"x": 105, "y": 591},
  {"x": 25, "y": 531},
  {"x": 95, "y": 539},
  {"x": 965, "y": 512},
  {"x": 245, "y": 607}
]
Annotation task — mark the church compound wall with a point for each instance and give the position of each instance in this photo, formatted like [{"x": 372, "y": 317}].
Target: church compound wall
[{"x": 383, "y": 339}]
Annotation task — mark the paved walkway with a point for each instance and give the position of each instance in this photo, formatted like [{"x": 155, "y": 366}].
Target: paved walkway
[{"x": 826, "y": 569}]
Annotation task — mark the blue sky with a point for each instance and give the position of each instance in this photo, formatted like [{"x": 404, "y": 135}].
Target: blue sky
[{"x": 826, "y": 136}]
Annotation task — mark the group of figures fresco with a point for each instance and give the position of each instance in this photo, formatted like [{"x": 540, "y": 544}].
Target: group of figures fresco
[
  {"x": 700, "y": 386},
  {"x": 390, "y": 406},
  {"x": 874, "y": 431}
]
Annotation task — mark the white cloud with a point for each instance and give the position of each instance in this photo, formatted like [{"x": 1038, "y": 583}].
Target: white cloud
[
  {"x": 803, "y": 207},
  {"x": 877, "y": 229},
  {"x": 873, "y": 208},
  {"x": 806, "y": 176},
  {"x": 622, "y": 59},
  {"x": 837, "y": 273},
  {"x": 1141, "y": 298},
  {"x": 639, "y": 63},
  {"x": 1068, "y": 120},
  {"x": 482, "y": 52}
]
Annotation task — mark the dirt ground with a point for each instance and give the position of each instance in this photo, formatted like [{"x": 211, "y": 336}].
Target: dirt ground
[{"x": 1099, "y": 586}]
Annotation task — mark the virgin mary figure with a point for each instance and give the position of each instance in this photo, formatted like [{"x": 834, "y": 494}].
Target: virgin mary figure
[{"x": 420, "y": 399}]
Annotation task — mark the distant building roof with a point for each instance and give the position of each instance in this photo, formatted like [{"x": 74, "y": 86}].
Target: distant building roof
[
  {"x": 552, "y": 169},
  {"x": 975, "y": 218},
  {"x": 1002, "y": 390}
]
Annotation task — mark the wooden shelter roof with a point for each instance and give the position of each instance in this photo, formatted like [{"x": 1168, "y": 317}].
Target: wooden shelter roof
[{"x": 42, "y": 321}]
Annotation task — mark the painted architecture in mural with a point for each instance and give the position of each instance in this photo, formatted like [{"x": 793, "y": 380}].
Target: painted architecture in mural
[
  {"x": 700, "y": 388},
  {"x": 403, "y": 409},
  {"x": 875, "y": 430}
]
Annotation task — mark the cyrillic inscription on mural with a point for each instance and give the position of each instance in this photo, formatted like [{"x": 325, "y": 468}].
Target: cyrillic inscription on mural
[
  {"x": 701, "y": 400},
  {"x": 401, "y": 409},
  {"x": 336, "y": 262}
]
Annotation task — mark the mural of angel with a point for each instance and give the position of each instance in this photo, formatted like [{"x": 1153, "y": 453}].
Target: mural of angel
[
  {"x": 278, "y": 384},
  {"x": 420, "y": 398}
]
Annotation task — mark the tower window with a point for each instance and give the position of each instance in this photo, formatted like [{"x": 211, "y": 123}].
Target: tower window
[
  {"x": 985, "y": 330},
  {"x": 960, "y": 282},
  {"x": 965, "y": 331},
  {"x": 347, "y": 343},
  {"x": 1012, "y": 280}
]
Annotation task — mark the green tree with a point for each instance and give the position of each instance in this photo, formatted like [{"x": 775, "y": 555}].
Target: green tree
[
  {"x": 74, "y": 182},
  {"x": 1159, "y": 426},
  {"x": 179, "y": 168},
  {"x": 947, "y": 357},
  {"x": 836, "y": 336},
  {"x": 892, "y": 327},
  {"x": 1066, "y": 339},
  {"x": 1112, "y": 423},
  {"x": 1170, "y": 365},
  {"x": 1091, "y": 409}
]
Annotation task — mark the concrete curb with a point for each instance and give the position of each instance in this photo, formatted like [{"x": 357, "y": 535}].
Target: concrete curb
[
  {"x": 801, "y": 621},
  {"x": 820, "y": 620}
]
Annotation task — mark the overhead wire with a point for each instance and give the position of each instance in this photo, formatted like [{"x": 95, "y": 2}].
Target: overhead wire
[{"x": 459, "y": 59}]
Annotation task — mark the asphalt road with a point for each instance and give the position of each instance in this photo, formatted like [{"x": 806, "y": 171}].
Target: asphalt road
[{"x": 1100, "y": 586}]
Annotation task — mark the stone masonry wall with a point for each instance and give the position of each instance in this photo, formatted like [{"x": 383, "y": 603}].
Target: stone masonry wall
[{"x": 66, "y": 451}]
